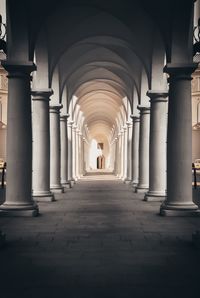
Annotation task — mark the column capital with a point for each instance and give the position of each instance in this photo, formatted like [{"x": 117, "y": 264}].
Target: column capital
[
  {"x": 135, "y": 118},
  {"x": 70, "y": 123},
  {"x": 42, "y": 94},
  {"x": 85, "y": 140},
  {"x": 74, "y": 126},
  {"x": 64, "y": 117},
  {"x": 143, "y": 109},
  {"x": 55, "y": 108},
  {"x": 124, "y": 128},
  {"x": 158, "y": 95},
  {"x": 18, "y": 68},
  {"x": 180, "y": 71},
  {"x": 129, "y": 124}
]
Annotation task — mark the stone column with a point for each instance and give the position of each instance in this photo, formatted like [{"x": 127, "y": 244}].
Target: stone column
[
  {"x": 135, "y": 149},
  {"x": 143, "y": 183},
  {"x": 125, "y": 153},
  {"x": 82, "y": 154},
  {"x": 19, "y": 201},
  {"x": 179, "y": 142},
  {"x": 116, "y": 156},
  {"x": 70, "y": 152},
  {"x": 55, "y": 184},
  {"x": 41, "y": 145},
  {"x": 86, "y": 155},
  {"x": 79, "y": 153},
  {"x": 157, "y": 150},
  {"x": 119, "y": 155},
  {"x": 129, "y": 154},
  {"x": 64, "y": 151},
  {"x": 122, "y": 153},
  {"x": 113, "y": 155},
  {"x": 74, "y": 161},
  {"x": 118, "y": 161}
]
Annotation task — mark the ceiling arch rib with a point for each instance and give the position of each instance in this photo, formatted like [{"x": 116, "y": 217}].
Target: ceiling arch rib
[
  {"x": 115, "y": 101},
  {"x": 82, "y": 54},
  {"x": 127, "y": 68},
  {"x": 100, "y": 113},
  {"x": 99, "y": 74},
  {"x": 94, "y": 87},
  {"x": 86, "y": 60},
  {"x": 107, "y": 82}
]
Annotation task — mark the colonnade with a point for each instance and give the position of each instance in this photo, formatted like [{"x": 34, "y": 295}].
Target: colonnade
[
  {"x": 60, "y": 149},
  {"x": 161, "y": 145}
]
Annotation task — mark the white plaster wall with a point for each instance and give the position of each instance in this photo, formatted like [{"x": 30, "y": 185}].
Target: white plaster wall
[
  {"x": 3, "y": 100},
  {"x": 195, "y": 144},
  {"x": 3, "y": 10},
  {"x": 93, "y": 152},
  {"x": 3, "y": 144}
]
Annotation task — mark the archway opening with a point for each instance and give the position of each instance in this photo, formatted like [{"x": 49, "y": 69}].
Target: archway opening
[
  {"x": 99, "y": 155},
  {"x": 101, "y": 162}
]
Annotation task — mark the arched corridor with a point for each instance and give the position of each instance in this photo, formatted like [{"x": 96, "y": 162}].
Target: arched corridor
[
  {"x": 105, "y": 243},
  {"x": 99, "y": 82},
  {"x": 99, "y": 148}
]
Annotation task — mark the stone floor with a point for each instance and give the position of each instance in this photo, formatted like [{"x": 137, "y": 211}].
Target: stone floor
[{"x": 99, "y": 239}]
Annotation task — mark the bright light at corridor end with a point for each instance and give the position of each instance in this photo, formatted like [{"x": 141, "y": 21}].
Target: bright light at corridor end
[{"x": 96, "y": 152}]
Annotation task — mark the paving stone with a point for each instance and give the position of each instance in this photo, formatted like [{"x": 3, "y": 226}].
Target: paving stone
[{"x": 99, "y": 239}]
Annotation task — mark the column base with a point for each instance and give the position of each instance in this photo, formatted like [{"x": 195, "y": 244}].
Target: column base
[
  {"x": 155, "y": 196},
  {"x": 134, "y": 183},
  {"x": 19, "y": 210},
  {"x": 141, "y": 188},
  {"x": 167, "y": 209},
  {"x": 72, "y": 182},
  {"x": 126, "y": 181},
  {"x": 43, "y": 196},
  {"x": 56, "y": 189},
  {"x": 2, "y": 239},
  {"x": 67, "y": 185}
]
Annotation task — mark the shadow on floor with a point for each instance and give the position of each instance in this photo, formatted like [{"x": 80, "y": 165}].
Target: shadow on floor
[
  {"x": 2, "y": 195},
  {"x": 196, "y": 195},
  {"x": 100, "y": 240},
  {"x": 99, "y": 172}
]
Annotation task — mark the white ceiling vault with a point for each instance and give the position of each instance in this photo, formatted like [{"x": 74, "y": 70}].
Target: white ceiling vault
[{"x": 106, "y": 53}]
